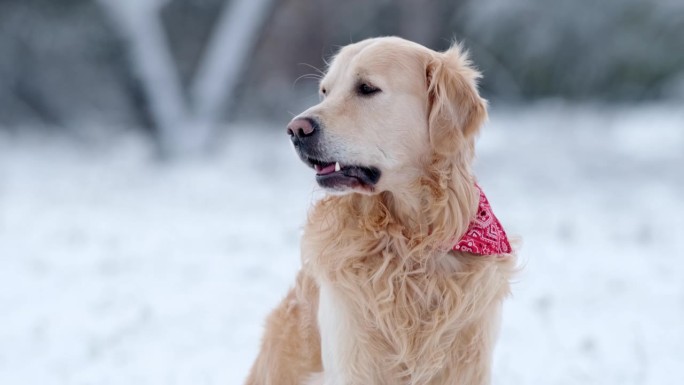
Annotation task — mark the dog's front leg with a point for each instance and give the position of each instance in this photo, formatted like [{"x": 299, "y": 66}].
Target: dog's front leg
[
  {"x": 290, "y": 350},
  {"x": 345, "y": 360},
  {"x": 337, "y": 345},
  {"x": 315, "y": 379}
]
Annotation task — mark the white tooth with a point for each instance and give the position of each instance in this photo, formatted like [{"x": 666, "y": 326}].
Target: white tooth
[{"x": 337, "y": 166}]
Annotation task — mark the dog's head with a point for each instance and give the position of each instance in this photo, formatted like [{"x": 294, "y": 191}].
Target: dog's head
[{"x": 388, "y": 106}]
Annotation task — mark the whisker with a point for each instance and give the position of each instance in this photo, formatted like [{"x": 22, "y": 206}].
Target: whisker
[
  {"x": 327, "y": 64},
  {"x": 313, "y": 68},
  {"x": 307, "y": 76}
]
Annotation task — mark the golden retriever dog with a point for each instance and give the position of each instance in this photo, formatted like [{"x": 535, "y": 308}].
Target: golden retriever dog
[{"x": 385, "y": 294}]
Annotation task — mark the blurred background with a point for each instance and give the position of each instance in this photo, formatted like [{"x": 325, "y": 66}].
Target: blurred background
[{"x": 150, "y": 205}]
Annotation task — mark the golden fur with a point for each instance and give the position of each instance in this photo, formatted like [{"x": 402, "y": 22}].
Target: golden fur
[{"x": 413, "y": 312}]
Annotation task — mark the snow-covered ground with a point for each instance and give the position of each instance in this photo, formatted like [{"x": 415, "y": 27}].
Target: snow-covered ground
[{"x": 118, "y": 269}]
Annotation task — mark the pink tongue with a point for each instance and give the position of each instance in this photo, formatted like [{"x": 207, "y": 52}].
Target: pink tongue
[{"x": 325, "y": 170}]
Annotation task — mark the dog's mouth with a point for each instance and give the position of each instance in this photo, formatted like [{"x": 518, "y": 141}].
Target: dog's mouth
[{"x": 338, "y": 176}]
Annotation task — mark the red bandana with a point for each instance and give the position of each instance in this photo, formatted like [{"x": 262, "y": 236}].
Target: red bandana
[{"x": 485, "y": 235}]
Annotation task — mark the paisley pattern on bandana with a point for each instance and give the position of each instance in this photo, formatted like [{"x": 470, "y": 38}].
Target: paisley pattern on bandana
[{"x": 485, "y": 234}]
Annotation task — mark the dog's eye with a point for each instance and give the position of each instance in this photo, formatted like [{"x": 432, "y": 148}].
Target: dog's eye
[
  {"x": 324, "y": 91},
  {"x": 366, "y": 89}
]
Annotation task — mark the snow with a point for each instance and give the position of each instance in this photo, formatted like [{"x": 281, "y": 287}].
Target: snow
[{"x": 120, "y": 269}]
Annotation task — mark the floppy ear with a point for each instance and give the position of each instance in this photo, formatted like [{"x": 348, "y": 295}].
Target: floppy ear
[{"x": 456, "y": 110}]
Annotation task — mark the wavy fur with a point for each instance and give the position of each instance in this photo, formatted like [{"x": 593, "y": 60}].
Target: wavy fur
[{"x": 418, "y": 313}]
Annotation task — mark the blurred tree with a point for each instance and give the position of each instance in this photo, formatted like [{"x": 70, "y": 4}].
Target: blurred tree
[
  {"x": 580, "y": 49},
  {"x": 185, "y": 127},
  {"x": 72, "y": 64}
]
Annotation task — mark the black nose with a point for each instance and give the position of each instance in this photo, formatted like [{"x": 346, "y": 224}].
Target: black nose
[{"x": 302, "y": 127}]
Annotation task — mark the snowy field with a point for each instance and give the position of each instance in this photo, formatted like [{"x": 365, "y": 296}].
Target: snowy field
[{"x": 118, "y": 269}]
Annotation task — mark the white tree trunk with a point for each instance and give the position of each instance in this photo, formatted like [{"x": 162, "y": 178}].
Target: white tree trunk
[
  {"x": 151, "y": 59},
  {"x": 228, "y": 49}
]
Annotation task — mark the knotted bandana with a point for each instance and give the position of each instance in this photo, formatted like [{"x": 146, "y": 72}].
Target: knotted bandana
[{"x": 485, "y": 235}]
